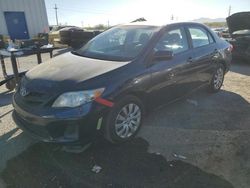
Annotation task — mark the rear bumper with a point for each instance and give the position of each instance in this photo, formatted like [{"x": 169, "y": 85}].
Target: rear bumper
[{"x": 59, "y": 127}]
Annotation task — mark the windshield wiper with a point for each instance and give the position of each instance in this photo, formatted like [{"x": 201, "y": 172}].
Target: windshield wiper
[{"x": 75, "y": 53}]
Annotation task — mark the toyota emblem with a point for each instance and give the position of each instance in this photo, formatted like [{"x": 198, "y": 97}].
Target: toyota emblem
[{"x": 23, "y": 91}]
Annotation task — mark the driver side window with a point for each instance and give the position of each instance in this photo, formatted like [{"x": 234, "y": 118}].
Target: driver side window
[{"x": 173, "y": 40}]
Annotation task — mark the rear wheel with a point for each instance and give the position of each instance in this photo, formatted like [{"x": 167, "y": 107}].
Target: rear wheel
[
  {"x": 218, "y": 78},
  {"x": 124, "y": 120}
]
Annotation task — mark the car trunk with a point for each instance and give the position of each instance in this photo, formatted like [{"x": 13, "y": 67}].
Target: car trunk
[{"x": 238, "y": 21}]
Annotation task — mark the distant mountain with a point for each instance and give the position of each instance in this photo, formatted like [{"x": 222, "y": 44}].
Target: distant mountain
[{"x": 209, "y": 20}]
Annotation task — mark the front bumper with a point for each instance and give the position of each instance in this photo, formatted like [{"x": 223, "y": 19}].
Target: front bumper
[{"x": 61, "y": 125}]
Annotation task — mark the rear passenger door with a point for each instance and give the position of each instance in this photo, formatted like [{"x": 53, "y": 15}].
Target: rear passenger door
[{"x": 204, "y": 51}]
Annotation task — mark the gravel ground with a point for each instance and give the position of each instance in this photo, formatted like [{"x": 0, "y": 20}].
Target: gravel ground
[{"x": 200, "y": 141}]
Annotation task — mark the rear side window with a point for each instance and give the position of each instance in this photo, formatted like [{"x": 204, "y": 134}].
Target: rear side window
[
  {"x": 199, "y": 37},
  {"x": 173, "y": 40}
]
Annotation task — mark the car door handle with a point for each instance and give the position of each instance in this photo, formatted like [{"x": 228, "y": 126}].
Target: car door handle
[
  {"x": 171, "y": 75},
  {"x": 190, "y": 60}
]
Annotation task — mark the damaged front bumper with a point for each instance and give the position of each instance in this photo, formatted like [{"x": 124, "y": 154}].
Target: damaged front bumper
[{"x": 68, "y": 125}]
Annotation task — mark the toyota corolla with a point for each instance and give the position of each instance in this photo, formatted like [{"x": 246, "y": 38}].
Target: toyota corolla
[{"x": 109, "y": 84}]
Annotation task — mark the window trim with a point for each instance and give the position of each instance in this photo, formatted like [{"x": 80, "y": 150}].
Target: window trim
[{"x": 211, "y": 36}]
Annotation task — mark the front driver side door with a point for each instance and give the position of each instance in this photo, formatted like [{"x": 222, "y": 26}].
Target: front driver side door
[{"x": 172, "y": 78}]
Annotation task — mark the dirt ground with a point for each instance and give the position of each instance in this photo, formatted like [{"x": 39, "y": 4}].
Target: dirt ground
[{"x": 201, "y": 141}]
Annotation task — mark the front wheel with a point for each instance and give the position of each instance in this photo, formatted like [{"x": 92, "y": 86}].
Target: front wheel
[
  {"x": 124, "y": 120},
  {"x": 217, "y": 80}
]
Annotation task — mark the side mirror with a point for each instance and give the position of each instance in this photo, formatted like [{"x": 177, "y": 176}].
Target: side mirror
[{"x": 163, "y": 55}]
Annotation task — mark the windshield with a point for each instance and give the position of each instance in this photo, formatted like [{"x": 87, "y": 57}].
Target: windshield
[{"x": 121, "y": 43}]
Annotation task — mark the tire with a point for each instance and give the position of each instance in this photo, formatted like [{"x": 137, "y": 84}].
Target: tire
[
  {"x": 217, "y": 79},
  {"x": 81, "y": 41},
  {"x": 65, "y": 33},
  {"x": 77, "y": 34},
  {"x": 11, "y": 84},
  {"x": 76, "y": 45},
  {"x": 88, "y": 34},
  {"x": 118, "y": 129},
  {"x": 65, "y": 40}
]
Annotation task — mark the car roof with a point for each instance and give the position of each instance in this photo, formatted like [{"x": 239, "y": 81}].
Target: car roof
[{"x": 149, "y": 23}]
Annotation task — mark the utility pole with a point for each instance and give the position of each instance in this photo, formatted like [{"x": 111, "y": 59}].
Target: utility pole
[
  {"x": 229, "y": 11},
  {"x": 56, "y": 14},
  {"x": 172, "y": 17}
]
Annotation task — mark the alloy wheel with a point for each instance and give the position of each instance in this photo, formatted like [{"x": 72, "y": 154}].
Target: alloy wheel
[
  {"x": 128, "y": 120},
  {"x": 218, "y": 78}
]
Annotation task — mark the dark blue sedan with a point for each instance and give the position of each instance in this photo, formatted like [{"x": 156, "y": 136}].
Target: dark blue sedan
[{"x": 108, "y": 85}]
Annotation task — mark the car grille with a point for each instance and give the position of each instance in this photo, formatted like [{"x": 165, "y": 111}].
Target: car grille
[{"x": 33, "y": 99}]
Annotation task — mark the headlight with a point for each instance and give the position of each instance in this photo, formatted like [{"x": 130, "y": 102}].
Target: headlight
[{"x": 78, "y": 98}]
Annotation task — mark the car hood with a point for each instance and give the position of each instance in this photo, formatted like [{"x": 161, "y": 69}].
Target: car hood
[
  {"x": 238, "y": 21},
  {"x": 66, "y": 71}
]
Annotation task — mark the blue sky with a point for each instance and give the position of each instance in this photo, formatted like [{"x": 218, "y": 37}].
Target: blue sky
[{"x": 89, "y": 13}]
